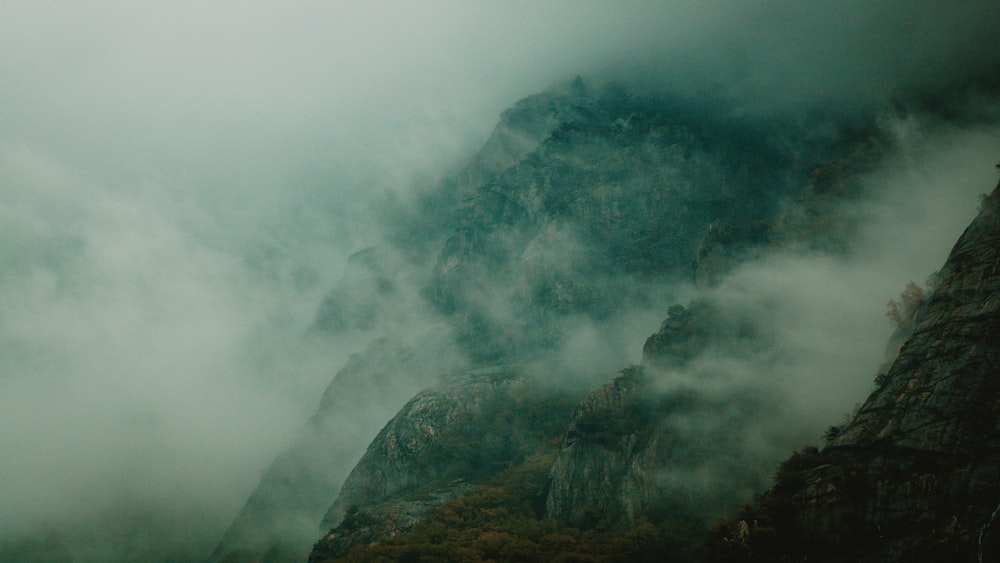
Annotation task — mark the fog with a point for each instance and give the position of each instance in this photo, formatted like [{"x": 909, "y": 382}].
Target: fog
[
  {"x": 799, "y": 334},
  {"x": 827, "y": 312},
  {"x": 181, "y": 183}
]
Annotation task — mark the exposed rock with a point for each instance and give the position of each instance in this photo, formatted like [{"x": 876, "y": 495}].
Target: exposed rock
[
  {"x": 278, "y": 522},
  {"x": 381, "y": 521},
  {"x": 645, "y": 445},
  {"x": 521, "y": 130},
  {"x": 599, "y": 478},
  {"x": 388, "y": 467},
  {"x": 915, "y": 476},
  {"x": 688, "y": 333},
  {"x": 445, "y": 439},
  {"x": 419, "y": 228}
]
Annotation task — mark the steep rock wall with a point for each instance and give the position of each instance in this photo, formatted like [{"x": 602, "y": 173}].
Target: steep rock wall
[
  {"x": 644, "y": 445},
  {"x": 915, "y": 476},
  {"x": 447, "y": 438}
]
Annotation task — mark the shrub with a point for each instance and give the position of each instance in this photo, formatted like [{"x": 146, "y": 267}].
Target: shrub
[{"x": 903, "y": 311}]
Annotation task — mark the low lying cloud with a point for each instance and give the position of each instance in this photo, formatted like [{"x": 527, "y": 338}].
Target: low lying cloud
[
  {"x": 182, "y": 183},
  {"x": 823, "y": 316},
  {"x": 143, "y": 368}
]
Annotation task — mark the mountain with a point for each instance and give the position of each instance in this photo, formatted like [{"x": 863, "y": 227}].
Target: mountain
[
  {"x": 515, "y": 287},
  {"x": 614, "y": 201},
  {"x": 914, "y": 475},
  {"x": 382, "y": 287},
  {"x": 629, "y": 192}
]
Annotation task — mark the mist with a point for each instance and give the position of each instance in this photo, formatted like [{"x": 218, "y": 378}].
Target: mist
[
  {"x": 820, "y": 330},
  {"x": 181, "y": 185}
]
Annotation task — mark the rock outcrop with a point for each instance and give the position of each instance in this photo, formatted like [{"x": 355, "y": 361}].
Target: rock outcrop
[
  {"x": 915, "y": 476},
  {"x": 444, "y": 440},
  {"x": 601, "y": 477},
  {"x": 648, "y": 445}
]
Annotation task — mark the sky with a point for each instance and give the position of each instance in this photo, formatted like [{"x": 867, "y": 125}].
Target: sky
[{"x": 181, "y": 182}]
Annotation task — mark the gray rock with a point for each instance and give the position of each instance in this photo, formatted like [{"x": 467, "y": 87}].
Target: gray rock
[
  {"x": 915, "y": 476},
  {"x": 638, "y": 447},
  {"x": 446, "y": 439}
]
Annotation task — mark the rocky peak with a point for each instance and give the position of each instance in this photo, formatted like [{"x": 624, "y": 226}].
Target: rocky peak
[
  {"x": 594, "y": 481},
  {"x": 620, "y": 189},
  {"x": 524, "y": 126},
  {"x": 938, "y": 394}
]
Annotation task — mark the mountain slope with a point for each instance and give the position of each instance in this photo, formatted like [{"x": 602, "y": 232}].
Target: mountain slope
[
  {"x": 445, "y": 440},
  {"x": 642, "y": 446},
  {"x": 278, "y": 522},
  {"x": 616, "y": 201},
  {"x": 582, "y": 210},
  {"x": 915, "y": 476}
]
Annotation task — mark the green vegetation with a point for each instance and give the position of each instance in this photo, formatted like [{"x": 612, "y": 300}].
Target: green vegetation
[
  {"x": 503, "y": 517},
  {"x": 507, "y": 430},
  {"x": 355, "y": 519},
  {"x": 608, "y": 428},
  {"x": 503, "y": 520}
]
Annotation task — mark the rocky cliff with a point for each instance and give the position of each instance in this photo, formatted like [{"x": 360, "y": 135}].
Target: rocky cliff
[
  {"x": 648, "y": 445},
  {"x": 915, "y": 476},
  {"x": 446, "y": 439}
]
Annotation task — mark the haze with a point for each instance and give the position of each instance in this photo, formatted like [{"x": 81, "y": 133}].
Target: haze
[{"x": 181, "y": 183}]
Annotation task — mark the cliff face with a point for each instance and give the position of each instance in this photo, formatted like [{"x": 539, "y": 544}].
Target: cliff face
[
  {"x": 915, "y": 476},
  {"x": 601, "y": 477},
  {"x": 388, "y": 466},
  {"x": 648, "y": 446},
  {"x": 674, "y": 437},
  {"x": 444, "y": 440}
]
